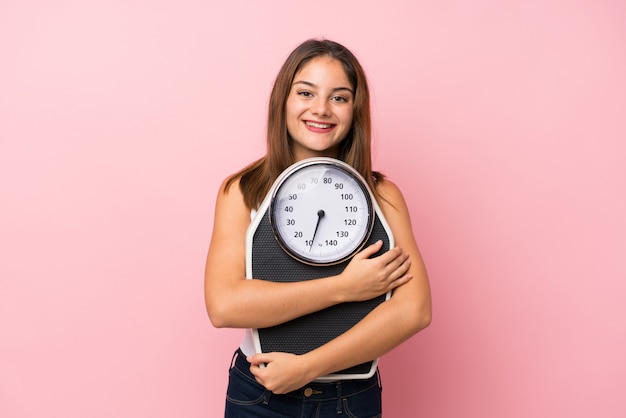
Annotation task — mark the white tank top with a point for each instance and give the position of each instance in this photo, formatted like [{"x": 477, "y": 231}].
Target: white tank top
[{"x": 247, "y": 345}]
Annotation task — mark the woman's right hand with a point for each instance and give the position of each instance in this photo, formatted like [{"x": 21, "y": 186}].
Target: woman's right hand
[{"x": 365, "y": 278}]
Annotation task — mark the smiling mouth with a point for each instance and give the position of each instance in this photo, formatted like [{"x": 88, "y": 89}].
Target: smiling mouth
[{"x": 318, "y": 125}]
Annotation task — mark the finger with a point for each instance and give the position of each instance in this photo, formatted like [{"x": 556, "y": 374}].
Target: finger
[
  {"x": 391, "y": 256},
  {"x": 396, "y": 268},
  {"x": 396, "y": 284},
  {"x": 401, "y": 263},
  {"x": 370, "y": 250},
  {"x": 399, "y": 267},
  {"x": 259, "y": 358},
  {"x": 401, "y": 280}
]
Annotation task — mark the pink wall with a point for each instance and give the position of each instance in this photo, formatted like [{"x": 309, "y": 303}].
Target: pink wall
[{"x": 503, "y": 122}]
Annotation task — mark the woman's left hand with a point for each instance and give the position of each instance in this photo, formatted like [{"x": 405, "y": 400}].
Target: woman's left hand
[{"x": 283, "y": 372}]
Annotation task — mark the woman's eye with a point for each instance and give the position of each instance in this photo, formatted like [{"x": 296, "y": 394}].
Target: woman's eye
[
  {"x": 305, "y": 93},
  {"x": 339, "y": 99}
]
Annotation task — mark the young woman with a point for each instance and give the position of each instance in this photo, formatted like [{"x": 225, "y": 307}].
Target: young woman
[{"x": 319, "y": 106}]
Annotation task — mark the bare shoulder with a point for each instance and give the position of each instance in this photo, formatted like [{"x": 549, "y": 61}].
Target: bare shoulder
[
  {"x": 231, "y": 212},
  {"x": 396, "y": 212},
  {"x": 391, "y": 198},
  {"x": 228, "y": 186},
  {"x": 230, "y": 193},
  {"x": 230, "y": 223}
]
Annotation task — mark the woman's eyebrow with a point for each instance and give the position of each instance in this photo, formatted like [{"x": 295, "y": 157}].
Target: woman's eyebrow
[{"x": 312, "y": 85}]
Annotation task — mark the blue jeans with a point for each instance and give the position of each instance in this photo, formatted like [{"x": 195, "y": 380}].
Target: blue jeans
[{"x": 246, "y": 398}]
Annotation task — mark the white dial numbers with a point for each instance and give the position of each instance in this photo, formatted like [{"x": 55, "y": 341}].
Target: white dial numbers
[{"x": 322, "y": 212}]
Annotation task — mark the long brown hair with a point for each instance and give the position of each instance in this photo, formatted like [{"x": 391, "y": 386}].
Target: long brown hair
[{"x": 257, "y": 178}]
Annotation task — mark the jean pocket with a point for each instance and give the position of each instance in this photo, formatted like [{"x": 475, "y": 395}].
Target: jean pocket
[
  {"x": 244, "y": 391},
  {"x": 366, "y": 404}
]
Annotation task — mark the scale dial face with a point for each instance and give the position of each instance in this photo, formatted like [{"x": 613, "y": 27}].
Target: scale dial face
[{"x": 321, "y": 211}]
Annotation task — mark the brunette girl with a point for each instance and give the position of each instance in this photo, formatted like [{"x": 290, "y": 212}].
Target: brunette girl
[{"x": 319, "y": 106}]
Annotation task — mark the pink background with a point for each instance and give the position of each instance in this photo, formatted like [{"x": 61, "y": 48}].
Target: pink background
[{"x": 502, "y": 121}]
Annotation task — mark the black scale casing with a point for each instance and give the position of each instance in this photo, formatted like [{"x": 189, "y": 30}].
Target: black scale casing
[{"x": 304, "y": 334}]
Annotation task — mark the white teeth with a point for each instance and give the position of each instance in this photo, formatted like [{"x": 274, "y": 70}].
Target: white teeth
[{"x": 318, "y": 125}]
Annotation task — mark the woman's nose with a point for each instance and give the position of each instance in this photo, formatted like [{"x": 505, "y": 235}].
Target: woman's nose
[{"x": 320, "y": 107}]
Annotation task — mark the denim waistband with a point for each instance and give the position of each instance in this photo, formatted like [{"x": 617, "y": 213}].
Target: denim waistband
[{"x": 315, "y": 390}]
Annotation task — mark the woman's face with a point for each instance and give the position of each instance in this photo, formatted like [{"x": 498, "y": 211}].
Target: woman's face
[{"x": 319, "y": 109}]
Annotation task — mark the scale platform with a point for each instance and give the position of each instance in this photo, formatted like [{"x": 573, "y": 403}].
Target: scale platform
[{"x": 266, "y": 260}]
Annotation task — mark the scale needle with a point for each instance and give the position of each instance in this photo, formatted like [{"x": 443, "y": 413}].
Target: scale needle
[{"x": 320, "y": 215}]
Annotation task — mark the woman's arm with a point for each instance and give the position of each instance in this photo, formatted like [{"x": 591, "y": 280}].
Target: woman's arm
[
  {"x": 387, "y": 326},
  {"x": 232, "y": 301}
]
